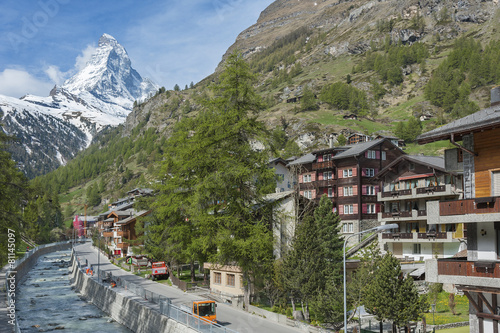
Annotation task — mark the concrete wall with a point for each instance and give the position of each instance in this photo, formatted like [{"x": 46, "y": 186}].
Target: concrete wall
[
  {"x": 126, "y": 311},
  {"x": 23, "y": 268}
]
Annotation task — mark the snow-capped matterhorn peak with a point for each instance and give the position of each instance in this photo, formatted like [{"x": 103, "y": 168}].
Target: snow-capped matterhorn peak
[
  {"x": 100, "y": 95},
  {"x": 109, "y": 76}
]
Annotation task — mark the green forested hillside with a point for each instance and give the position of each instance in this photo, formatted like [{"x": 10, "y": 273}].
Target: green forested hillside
[{"x": 444, "y": 70}]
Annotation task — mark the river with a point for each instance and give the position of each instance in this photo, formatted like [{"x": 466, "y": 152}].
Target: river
[{"x": 46, "y": 302}]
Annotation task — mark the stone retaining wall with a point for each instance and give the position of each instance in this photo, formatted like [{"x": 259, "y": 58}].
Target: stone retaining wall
[
  {"x": 126, "y": 311},
  {"x": 27, "y": 264}
]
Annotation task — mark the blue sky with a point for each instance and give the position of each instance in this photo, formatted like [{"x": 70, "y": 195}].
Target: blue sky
[{"x": 43, "y": 42}]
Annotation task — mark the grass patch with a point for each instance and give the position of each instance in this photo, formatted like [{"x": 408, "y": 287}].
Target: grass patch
[
  {"x": 329, "y": 117},
  {"x": 434, "y": 148},
  {"x": 186, "y": 275},
  {"x": 443, "y": 314},
  {"x": 403, "y": 110},
  {"x": 72, "y": 193}
]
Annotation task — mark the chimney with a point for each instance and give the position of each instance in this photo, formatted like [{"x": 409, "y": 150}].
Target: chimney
[
  {"x": 495, "y": 96},
  {"x": 332, "y": 139}
]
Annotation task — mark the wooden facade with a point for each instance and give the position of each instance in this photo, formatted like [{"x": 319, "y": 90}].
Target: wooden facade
[
  {"x": 347, "y": 180},
  {"x": 486, "y": 161}
]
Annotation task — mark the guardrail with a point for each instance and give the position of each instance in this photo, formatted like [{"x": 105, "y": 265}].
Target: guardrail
[{"x": 166, "y": 307}]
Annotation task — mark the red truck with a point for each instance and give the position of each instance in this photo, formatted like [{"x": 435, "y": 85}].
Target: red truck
[{"x": 159, "y": 270}]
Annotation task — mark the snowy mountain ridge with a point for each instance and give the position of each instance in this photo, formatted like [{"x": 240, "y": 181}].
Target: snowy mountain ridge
[{"x": 100, "y": 95}]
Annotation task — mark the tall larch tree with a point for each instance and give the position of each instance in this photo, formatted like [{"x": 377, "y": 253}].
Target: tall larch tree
[{"x": 213, "y": 180}]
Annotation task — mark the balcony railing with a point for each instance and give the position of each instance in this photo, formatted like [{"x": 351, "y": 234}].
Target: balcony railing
[
  {"x": 422, "y": 213},
  {"x": 397, "y": 235},
  {"x": 326, "y": 183},
  {"x": 307, "y": 186},
  {"x": 396, "y": 214},
  {"x": 323, "y": 165},
  {"x": 123, "y": 233},
  {"x": 107, "y": 234},
  {"x": 486, "y": 269},
  {"x": 431, "y": 189},
  {"x": 122, "y": 245},
  {"x": 470, "y": 206},
  {"x": 432, "y": 235}
]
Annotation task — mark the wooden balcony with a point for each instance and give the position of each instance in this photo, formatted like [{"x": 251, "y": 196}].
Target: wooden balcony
[
  {"x": 107, "y": 234},
  {"x": 483, "y": 269},
  {"x": 122, "y": 246},
  {"x": 432, "y": 235},
  {"x": 431, "y": 189},
  {"x": 307, "y": 186},
  {"x": 420, "y": 192},
  {"x": 486, "y": 205},
  {"x": 397, "y": 235},
  {"x": 403, "y": 216},
  {"x": 326, "y": 183},
  {"x": 123, "y": 234},
  {"x": 396, "y": 214},
  {"x": 323, "y": 165}
]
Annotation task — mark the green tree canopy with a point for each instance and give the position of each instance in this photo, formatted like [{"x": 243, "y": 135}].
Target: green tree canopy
[
  {"x": 391, "y": 296},
  {"x": 213, "y": 181}
]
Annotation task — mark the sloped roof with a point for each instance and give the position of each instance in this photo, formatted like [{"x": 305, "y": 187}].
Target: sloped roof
[
  {"x": 133, "y": 217},
  {"x": 484, "y": 119},
  {"x": 309, "y": 158},
  {"x": 277, "y": 196},
  {"x": 436, "y": 162},
  {"x": 432, "y": 161},
  {"x": 359, "y": 148}
]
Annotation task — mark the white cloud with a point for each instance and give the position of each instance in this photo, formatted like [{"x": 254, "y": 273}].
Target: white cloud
[
  {"x": 55, "y": 74},
  {"x": 82, "y": 59},
  {"x": 18, "y": 82}
]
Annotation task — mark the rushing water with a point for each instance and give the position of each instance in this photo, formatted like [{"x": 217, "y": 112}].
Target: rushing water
[{"x": 46, "y": 302}]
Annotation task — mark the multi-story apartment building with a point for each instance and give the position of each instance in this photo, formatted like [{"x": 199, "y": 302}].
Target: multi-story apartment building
[
  {"x": 478, "y": 275},
  {"x": 121, "y": 230},
  {"x": 407, "y": 184},
  {"x": 344, "y": 175}
]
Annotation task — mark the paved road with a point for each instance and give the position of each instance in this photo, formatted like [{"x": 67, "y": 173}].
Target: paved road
[{"x": 228, "y": 316}]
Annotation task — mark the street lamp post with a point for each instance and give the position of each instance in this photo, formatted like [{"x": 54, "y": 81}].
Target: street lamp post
[
  {"x": 376, "y": 229},
  {"x": 98, "y": 252}
]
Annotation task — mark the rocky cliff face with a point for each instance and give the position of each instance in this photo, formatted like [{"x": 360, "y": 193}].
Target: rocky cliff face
[{"x": 355, "y": 21}]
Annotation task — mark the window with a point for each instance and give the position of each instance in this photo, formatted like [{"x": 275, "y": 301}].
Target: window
[
  {"x": 372, "y": 154},
  {"x": 230, "y": 280},
  {"x": 327, "y": 175},
  {"x": 384, "y": 156},
  {"x": 217, "y": 278},
  {"x": 327, "y": 157},
  {"x": 370, "y": 172},
  {"x": 347, "y": 173},
  {"x": 280, "y": 177},
  {"x": 348, "y": 209},
  {"x": 348, "y": 191},
  {"x": 370, "y": 190},
  {"x": 347, "y": 227},
  {"x": 416, "y": 248},
  {"x": 330, "y": 192},
  {"x": 307, "y": 178},
  {"x": 370, "y": 209}
]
